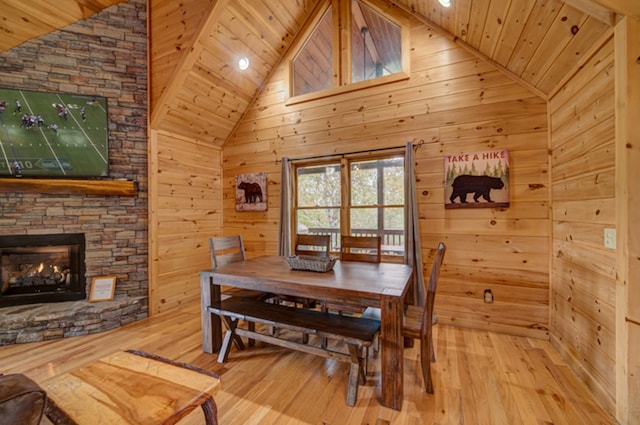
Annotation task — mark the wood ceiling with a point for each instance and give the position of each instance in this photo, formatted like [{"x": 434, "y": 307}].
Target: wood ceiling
[
  {"x": 197, "y": 91},
  {"x": 23, "y": 20}
]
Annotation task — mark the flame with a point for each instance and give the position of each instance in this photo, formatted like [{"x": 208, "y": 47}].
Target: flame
[{"x": 41, "y": 267}]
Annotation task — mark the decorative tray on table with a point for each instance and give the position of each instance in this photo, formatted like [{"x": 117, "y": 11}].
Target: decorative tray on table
[{"x": 311, "y": 263}]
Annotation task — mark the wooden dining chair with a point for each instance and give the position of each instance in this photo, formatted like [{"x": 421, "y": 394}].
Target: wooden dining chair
[
  {"x": 315, "y": 245},
  {"x": 230, "y": 249},
  {"x": 355, "y": 248},
  {"x": 360, "y": 248},
  {"x": 419, "y": 320},
  {"x": 226, "y": 250},
  {"x": 311, "y": 245}
]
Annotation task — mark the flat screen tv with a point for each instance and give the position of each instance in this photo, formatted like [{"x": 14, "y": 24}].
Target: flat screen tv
[{"x": 53, "y": 135}]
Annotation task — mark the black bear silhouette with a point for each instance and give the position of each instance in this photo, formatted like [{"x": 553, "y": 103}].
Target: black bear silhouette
[
  {"x": 252, "y": 192},
  {"x": 479, "y": 185}
]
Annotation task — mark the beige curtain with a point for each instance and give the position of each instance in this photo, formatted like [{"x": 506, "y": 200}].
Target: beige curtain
[
  {"x": 286, "y": 203},
  {"x": 412, "y": 249}
]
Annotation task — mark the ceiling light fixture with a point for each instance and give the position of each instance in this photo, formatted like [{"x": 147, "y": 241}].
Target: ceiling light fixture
[
  {"x": 243, "y": 63},
  {"x": 445, "y": 3}
]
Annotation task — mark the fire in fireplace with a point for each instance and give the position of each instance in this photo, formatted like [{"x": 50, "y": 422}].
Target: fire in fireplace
[{"x": 41, "y": 268}]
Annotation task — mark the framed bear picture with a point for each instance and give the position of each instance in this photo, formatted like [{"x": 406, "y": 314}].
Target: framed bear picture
[
  {"x": 251, "y": 192},
  {"x": 477, "y": 180}
]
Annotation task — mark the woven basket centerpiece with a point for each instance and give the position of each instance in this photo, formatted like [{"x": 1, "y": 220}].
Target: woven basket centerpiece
[{"x": 311, "y": 263}]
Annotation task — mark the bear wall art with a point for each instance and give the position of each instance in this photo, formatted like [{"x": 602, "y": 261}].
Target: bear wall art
[
  {"x": 251, "y": 192},
  {"x": 477, "y": 180}
]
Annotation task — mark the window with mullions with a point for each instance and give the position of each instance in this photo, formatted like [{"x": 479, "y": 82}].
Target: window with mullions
[
  {"x": 318, "y": 200},
  {"x": 373, "y": 200}
]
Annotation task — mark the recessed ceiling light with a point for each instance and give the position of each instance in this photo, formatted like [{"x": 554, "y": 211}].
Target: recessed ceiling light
[
  {"x": 243, "y": 63},
  {"x": 445, "y": 3}
]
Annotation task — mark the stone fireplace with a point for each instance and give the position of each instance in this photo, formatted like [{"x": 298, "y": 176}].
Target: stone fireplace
[{"x": 41, "y": 268}]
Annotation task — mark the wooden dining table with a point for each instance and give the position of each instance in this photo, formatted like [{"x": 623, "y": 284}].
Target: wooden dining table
[{"x": 384, "y": 285}]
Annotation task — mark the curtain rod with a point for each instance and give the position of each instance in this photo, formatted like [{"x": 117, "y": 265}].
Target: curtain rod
[{"x": 342, "y": 155}]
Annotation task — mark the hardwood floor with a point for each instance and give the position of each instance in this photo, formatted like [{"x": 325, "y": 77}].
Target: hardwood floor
[{"x": 479, "y": 377}]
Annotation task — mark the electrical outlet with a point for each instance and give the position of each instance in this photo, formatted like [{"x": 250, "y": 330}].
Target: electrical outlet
[
  {"x": 488, "y": 296},
  {"x": 610, "y": 238}
]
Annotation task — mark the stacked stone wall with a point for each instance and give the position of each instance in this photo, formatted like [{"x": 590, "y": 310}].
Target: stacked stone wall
[{"x": 104, "y": 55}]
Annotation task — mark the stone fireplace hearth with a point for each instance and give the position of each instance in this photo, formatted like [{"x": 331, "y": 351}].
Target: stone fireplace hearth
[{"x": 42, "y": 322}]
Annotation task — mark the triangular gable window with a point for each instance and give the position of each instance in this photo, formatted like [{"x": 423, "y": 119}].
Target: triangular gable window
[
  {"x": 382, "y": 41},
  {"x": 371, "y": 48},
  {"x": 313, "y": 66}
]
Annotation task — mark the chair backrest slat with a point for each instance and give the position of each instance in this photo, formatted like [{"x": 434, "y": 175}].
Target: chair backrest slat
[
  {"x": 315, "y": 245},
  {"x": 360, "y": 248},
  {"x": 226, "y": 250}
]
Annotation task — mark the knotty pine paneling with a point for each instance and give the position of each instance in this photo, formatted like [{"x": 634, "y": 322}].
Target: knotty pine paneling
[
  {"x": 195, "y": 50},
  {"x": 186, "y": 210},
  {"x": 173, "y": 28},
  {"x": 582, "y": 321},
  {"x": 454, "y": 102}
]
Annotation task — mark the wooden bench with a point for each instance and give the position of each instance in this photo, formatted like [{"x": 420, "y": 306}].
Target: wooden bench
[{"x": 356, "y": 332}]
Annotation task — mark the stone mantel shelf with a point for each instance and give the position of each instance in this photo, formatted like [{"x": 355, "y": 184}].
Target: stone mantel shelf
[{"x": 85, "y": 187}]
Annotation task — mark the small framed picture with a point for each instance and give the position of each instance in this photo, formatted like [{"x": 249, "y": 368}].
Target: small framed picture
[
  {"x": 102, "y": 288},
  {"x": 251, "y": 192},
  {"x": 483, "y": 175}
]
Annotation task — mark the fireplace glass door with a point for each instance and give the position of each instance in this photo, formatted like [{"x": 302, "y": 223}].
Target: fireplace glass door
[{"x": 41, "y": 268}]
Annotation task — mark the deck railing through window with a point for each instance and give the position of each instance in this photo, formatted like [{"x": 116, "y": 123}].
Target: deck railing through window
[{"x": 392, "y": 240}]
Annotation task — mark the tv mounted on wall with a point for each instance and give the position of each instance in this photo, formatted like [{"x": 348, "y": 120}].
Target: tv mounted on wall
[{"x": 53, "y": 135}]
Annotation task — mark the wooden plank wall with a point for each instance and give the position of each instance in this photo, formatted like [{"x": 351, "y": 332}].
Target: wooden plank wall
[
  {"x": 184, "y": 212},
  {"x": 173, "y": 28},
  {"x": 456, "y": 103},
  {"x": 583, "y": 291},
  {"x": 627, "y": 46}
]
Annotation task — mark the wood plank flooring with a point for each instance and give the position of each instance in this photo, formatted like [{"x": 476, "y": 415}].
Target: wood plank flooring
[{"x": 480, "y": 378}]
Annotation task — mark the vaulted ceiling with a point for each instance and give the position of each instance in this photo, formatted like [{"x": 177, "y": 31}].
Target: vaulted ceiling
[{"x": 198, "y": 92}]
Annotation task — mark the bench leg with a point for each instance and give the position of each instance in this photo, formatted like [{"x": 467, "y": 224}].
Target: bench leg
[
  {"x": 354, "y": 352},
  {"x": 229, "y": 336},
  {"x": 252, "y": 327},
  {"x": 352, "y": 389},
  {"x": 356, "y": 375},
  {"x": 237, "y": 341}
]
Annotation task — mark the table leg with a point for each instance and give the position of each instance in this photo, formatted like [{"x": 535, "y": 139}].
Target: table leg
[
  {"x": 211, "y": 325},
  {"x": 391, "y": 352}
]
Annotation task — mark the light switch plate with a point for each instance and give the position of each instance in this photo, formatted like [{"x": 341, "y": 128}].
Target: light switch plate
[{"x": 610, "y": 238}]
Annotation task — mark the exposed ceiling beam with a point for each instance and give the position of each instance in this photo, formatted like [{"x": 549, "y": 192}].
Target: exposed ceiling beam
[
  {"x": 595, "y": 9},
  {"x": 623, "y": 7}
]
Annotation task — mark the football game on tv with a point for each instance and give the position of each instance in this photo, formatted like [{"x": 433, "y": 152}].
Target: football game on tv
[{"x": 53, "y": 135}]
